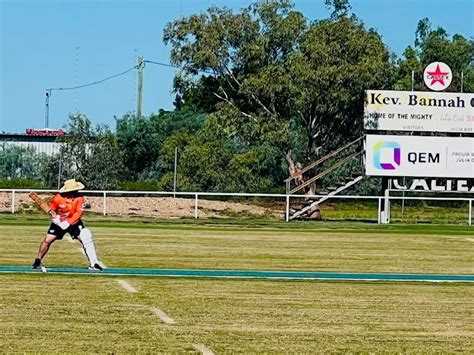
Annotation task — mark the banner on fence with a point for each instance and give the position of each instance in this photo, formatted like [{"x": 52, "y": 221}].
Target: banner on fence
[
  {"x": 411, "y": 184},
  {"x": 418, "y": 156},
  {"x": 387, "y": 110}
]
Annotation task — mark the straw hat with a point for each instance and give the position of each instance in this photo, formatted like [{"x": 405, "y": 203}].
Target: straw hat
[{"x": 71, "y": 185}]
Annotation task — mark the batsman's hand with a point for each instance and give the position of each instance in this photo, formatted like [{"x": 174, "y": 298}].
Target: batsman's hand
[{"x": 56, "y": 220}]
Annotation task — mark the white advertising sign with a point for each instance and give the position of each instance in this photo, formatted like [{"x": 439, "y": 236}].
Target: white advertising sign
[
  {"x": 387, "y": 110},
  {"x": 416, "y": 156}
]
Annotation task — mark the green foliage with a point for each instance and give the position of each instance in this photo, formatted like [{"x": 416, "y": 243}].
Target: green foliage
[
  {"x": 90, "y": 155},
  {"x": 140, "y": 139},
  {"x": 437, "y": 46},
  {"x": 196, "y": 95},
  {"x": 49, "y": 172},
  {"x": 209, "y": 160},
  {"x": 139, "y": 186},
  {"x": 338, "y": 60},
  {"x": 138, "y": 142},
  {"x": 257, "y": 169},
  {"x": 204, "y": 161},
  {"x": 340, "y": 7},
  {"x": 273, "y": 68},
  {"x": 19, "y": 184},
  {"x": 19, "y": 163}
]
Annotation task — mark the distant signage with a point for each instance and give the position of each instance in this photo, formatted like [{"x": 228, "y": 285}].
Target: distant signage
[
  {"x": 460, "y": 185},
  {"x": 387, "y": 110},
  {"x": 418, "y": 156},
  {"x": 45, "y": 132},
  {"x": 437, "y": 76}
]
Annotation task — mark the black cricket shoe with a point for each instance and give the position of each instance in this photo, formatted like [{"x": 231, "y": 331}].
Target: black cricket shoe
[
  {"x": 37, "y": 264},
  {"x": 96, "y": 267}
]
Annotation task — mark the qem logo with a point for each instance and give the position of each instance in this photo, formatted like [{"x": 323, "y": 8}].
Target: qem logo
[
  {"x": 437, "y": 76},
  {"x": 386, "y": 155}
]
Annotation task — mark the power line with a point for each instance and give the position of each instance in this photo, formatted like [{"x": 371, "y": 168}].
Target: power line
[
  {"x": 162, "y": 64},
  {"x": 48, "y": 91},
  {"x": 95, "y": 82},
  {"x": 175, "y": 66},
  {"x": 116, "y": 75}
]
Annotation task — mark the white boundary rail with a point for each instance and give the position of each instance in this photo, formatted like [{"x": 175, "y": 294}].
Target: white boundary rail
[{"x": 287, "y": 198}]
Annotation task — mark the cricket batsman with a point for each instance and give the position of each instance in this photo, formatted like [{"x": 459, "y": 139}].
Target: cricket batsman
[{"x": 67, "y": 207}]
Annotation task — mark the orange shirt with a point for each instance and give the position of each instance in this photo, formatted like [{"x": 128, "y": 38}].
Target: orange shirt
[{"x": 68, "y": 209}]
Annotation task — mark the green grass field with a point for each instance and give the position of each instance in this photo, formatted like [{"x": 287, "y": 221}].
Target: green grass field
[{"x": 94, "y": 314}]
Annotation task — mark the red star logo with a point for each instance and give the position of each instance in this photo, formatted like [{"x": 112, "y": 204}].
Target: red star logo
[{"x": 437, "y": 76}]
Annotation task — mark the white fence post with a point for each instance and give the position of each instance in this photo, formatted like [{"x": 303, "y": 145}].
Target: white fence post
[
  {"x": 470, "y": 212},
  {"x": 196, "y": 211},
  {"x": 287, "y": 213},
  {"x": 379, "y": 207},
  {"x": 105, "y": 204},
  {"x": 13, "y": 201},
  {"x": 386, "y": 209}
]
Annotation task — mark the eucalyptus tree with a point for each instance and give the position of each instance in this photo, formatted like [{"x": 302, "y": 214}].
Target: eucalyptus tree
[{"x": 277, "y": 74}]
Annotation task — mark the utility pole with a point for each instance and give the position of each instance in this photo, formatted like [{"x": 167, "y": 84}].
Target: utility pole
[
  {"x": 140, "y": 66},
  {"x": 46, "y": 115}
]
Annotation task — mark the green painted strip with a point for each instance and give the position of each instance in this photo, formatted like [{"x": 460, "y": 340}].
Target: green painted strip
[{"x": 296, "y": 275}]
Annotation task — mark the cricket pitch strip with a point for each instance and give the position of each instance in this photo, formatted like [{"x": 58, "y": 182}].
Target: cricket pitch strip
[{"x": 243, "y": 274}]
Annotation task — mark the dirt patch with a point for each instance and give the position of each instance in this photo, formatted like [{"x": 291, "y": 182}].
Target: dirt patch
[{"x": 163, "y": 207}]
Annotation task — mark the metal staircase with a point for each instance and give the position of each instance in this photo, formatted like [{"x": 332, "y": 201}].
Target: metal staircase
[{"x": 350, "y": 155}]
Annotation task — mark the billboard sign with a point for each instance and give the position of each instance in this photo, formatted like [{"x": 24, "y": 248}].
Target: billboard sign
[
  {"x": 417, "y": 156},
  {"x": 387, "y": 110}
]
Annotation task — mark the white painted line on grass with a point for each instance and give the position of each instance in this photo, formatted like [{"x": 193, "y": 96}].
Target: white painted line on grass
[
  {"x": 133, "y": 305},
  {"x": 162, "y": 315},
  {"x": 470, "y": 239},
  {"x": 203, "y": 349},
  {"x": 127, "y": 286}
]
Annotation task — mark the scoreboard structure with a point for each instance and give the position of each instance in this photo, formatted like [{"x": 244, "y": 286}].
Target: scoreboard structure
[{"x": 418, "y": 135}]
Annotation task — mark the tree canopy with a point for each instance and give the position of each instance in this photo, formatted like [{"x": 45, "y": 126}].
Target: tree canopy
[
  {"x": 274, "y": 69},
  {"x": 437, "y": 46}
]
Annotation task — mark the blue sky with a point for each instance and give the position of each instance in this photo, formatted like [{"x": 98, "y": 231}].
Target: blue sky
[{"x": 54, "y": 43}]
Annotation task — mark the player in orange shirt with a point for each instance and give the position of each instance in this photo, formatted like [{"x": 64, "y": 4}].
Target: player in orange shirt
[{"x": 69, "y": 206}]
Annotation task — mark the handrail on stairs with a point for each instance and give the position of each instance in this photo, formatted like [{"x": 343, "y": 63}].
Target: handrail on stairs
[
  {"x": 317, "y": 162},
  {"x": 325, "y": 172}
]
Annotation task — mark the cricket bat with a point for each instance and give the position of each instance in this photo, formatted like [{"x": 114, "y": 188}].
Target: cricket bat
[{"x": 42, "y": 204}]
